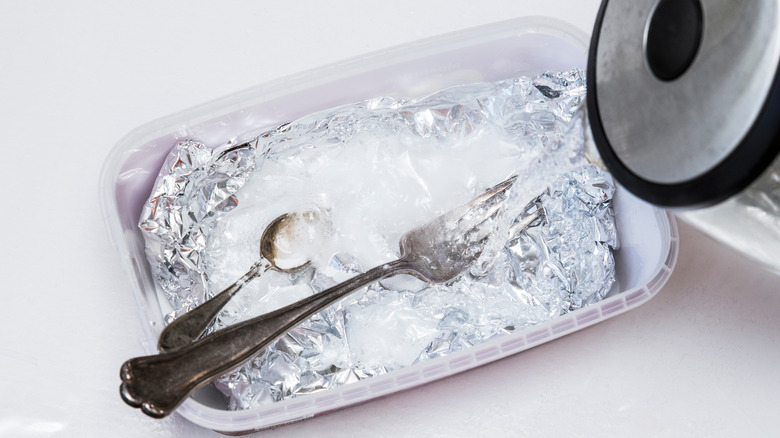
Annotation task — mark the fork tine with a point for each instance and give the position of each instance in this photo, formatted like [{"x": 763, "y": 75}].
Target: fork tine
[
  {"x": 497, "y": 189},
  {"x": 481, "y": 208},
  {"x": 455, "y": 216}
]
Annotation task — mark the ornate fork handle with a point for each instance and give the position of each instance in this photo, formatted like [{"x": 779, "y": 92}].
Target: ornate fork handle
[
  {"x": 158, "y": 384},
  {"x": 436, "y": 252}
]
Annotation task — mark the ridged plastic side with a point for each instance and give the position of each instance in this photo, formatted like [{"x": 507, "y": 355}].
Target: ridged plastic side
[{"x": 131, "y": 166}]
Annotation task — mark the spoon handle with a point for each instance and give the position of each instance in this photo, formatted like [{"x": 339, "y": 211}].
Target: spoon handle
[
  {"x": 187, "y": 328},
  {"x": 158, "y": 384}
]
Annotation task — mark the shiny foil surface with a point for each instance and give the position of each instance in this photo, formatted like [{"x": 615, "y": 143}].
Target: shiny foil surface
[
  {"x": 379, "y": 168},
  {"x": 195, "y": 186}
]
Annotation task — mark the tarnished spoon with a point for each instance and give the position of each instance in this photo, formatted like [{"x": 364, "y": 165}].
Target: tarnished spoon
[{"x": 286, "y": 245}]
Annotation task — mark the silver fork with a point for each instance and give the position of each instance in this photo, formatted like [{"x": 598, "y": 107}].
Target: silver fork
[{"x": 436, "y": 252}]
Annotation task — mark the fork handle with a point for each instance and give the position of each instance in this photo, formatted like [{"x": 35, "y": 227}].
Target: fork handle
[{"x": 158, "y": 384}]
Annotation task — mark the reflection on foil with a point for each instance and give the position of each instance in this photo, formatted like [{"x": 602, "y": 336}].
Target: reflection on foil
[{"x": 379, "y": 166}]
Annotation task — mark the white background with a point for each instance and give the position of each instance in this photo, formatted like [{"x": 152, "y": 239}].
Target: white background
[{"x": 700, "y": 359}]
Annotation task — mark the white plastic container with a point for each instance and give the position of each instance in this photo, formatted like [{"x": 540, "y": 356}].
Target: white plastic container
[{"x": 648, "y": 236}]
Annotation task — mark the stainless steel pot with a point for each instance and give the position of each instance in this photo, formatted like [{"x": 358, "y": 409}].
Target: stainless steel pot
[{"x": 684, "y": 106}]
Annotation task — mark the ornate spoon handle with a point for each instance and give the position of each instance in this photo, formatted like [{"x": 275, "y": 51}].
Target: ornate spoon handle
[
  {"x": 158, "y": 384},
  {"x": 187, "y": 328}
]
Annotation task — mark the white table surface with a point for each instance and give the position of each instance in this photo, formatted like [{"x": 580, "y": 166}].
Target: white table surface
[{"x": 700, "y": 359}]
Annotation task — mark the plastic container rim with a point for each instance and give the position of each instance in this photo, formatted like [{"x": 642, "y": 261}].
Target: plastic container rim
[{"x": 414, "y": 375}]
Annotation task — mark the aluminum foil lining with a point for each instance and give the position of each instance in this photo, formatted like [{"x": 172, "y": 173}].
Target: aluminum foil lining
[
  {"x": 204, "y": 200},
  {"x": 195, "y": 186}
]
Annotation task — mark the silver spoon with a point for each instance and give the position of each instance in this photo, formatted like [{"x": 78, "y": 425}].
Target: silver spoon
[{"x": 285, "y": 246}]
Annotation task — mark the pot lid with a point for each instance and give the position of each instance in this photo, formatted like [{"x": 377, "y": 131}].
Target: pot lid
[{"x": 683, "y": 95}]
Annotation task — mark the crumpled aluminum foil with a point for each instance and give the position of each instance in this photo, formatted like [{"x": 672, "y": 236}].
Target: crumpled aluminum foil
[
  {"x": 195, "y": 186},
  {"x": 562, "y": 262}
]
